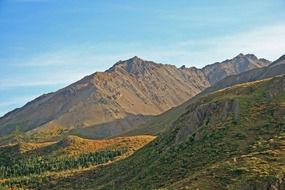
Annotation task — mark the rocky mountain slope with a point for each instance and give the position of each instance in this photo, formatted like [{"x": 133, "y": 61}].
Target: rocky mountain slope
[
  {"x": 239, "y": 64},
  {"x": 230, "y": 139},
  {"x": 120, "y": 98},
  {"x": 274, "y": 69},
  {"x": 163, "y": 122}
]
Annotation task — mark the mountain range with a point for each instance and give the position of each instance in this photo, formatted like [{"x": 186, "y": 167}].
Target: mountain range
[
  {"x": 162, "y": 127},
  {"x": 123, "y": 97}
]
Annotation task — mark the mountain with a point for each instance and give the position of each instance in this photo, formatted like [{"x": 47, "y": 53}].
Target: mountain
[
  {"x": 274, "y": 69},
  {"x": 239, "y": 64},
  {"x": 230, "y": 139},
  {"x": 124, "y": 96},
  {"x": 164, "y": 121}
]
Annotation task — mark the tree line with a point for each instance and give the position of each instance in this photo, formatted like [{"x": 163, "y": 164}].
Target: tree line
[{"x": 39, "y": 165}]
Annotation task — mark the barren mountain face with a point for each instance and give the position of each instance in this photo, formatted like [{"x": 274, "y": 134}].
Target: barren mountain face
[
  {"x": 274, "y": 69},
  {"x": 238, "y": 64},
  {"x": 121, "y": 97}
]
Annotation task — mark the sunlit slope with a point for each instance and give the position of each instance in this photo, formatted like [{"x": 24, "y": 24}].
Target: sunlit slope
[
  {"x": 164, "y": 121},
  {"x": 24, "y": 163},
  {"x": 230, "y": 139},
  {"x": 113, "y": 102}
]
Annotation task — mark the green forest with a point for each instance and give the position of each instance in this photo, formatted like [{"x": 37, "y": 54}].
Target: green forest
[{"x": 37, "y": 166}]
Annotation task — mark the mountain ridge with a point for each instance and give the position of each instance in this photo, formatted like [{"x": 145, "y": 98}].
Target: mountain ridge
[
  {"x": 229, "y": 139},
  {"x": 164, "y": 121},
  {"x": 275, "y": 68},
  {"x": 132, "y": 87}
]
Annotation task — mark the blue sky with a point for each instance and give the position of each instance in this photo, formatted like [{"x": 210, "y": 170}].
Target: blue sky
[{"x": 48, "y": 44}]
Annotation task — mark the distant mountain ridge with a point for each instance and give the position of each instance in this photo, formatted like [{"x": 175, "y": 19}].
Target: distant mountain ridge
[
  {"x": 274, "y": 69},
  {"x": 238, "y": 64},
  {"x": 124, "y": 96},
  {"x": 164, "y": 121}
]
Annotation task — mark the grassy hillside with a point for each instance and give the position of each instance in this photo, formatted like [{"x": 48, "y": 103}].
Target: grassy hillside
[
  {"x": 230, "y": 139},
  {"x": 22, "y": 164}
]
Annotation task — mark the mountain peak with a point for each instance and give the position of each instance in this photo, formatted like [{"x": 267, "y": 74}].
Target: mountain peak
[
  {"x": 241, "y": 55},
  {"x": 133, "y": 65},
  {"x": 238, "y": 64},
  {"x": 132, "y": 60},
  {"x": 135, "y": 58}
]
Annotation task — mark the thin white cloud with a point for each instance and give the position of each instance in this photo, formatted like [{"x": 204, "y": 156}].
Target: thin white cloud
[
  {"x": 267, "y": 42},
  {"x": 61, "y": 68},
  {"x": 17, "y": 100},
  {"x": 50, "y": 79},
  {"x": 14, "y": 102},
  {"x": 73, "y": 58}
]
